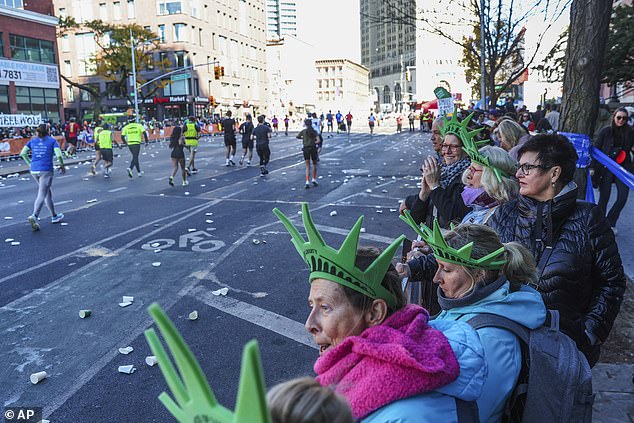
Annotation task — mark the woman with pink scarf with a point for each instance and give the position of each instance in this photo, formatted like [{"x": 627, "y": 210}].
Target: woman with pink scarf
[{"x": 382, "y": 355}]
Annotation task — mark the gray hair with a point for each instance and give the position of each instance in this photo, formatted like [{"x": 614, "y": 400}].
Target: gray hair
[
  {"x": 509, "y": 187},
  {"x": 511, "y": 130}
]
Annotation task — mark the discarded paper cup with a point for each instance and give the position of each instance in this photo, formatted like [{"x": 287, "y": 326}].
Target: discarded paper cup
[
  {"x": 151, "y": 360},
  {"x": 84, "y": 313},
  {"x": 127, "y": 299},
  {"x": 126, "y": 350},
  {"x": 38, "y": 377},
  {"x": 129, "y": 369},
  {"x": 193, "y": 315}
]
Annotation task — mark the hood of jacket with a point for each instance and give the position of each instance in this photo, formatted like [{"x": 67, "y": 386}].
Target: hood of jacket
[
  {"x": 397, "y": 359},
  {"x": 524, "y": 306}
]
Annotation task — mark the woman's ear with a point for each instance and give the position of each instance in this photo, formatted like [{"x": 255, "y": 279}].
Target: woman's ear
[
  {"x": 377, "y": 313},
  {"x": 556, "y": 173}
]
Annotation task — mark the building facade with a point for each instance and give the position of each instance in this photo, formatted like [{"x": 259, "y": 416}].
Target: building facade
[
  {"x": 198, "y": 33},
  {"x": 292, "y": 75},
  {"x": 342, "y": 85},
  {"x": 281, "y": 19},
  {"x": 406, "y": 62},
  {"x": 29, "y": 65}
]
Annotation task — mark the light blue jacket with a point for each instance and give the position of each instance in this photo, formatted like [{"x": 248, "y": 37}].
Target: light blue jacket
[
  {"x": 501, "y": 348},
  {"x": 440, "y": 405}
]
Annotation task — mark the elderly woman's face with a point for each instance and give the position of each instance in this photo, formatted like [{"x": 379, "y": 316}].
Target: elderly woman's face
[
  {"x": 452, "y": 149},
  {"x": 332, "y": 317},
  {"x": 452, "y": 279},
  {"x": 474, "y": 173}
]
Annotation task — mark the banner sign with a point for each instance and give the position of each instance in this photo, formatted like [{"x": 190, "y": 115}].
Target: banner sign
[
  {"x": 9, "y": 121},
  {"x": 28, "y": 74}
]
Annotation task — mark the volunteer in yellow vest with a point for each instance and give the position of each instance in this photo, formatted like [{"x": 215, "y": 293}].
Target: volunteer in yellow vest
[
  {"x": 105, "y": 145},
  {"x": 190, "y": 132},
  {"x": 98, "y": 129},
  {"x": 132, "y": 134}
]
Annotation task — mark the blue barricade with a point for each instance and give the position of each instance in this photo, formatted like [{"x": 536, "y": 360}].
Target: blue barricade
[{"x": 582, "y": 144}]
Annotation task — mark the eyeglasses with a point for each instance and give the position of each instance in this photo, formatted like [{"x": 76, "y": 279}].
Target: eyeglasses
[
  {"x": 473, "y": 170},
  {"x": 620, "y": 117},
  {"x": 451, "y": 147},
  {"x": 526, "y": 168}
]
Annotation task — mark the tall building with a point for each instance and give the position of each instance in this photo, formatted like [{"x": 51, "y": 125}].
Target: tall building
[
  {"x": 406, "y": 62},
  {"x": 29, "y": 70},
  {"x": 281, "y": 19},
  {"x": 199, "y": 33}
]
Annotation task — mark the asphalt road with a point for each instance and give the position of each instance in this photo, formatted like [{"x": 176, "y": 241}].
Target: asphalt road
[{"x": 203, "y": 237}]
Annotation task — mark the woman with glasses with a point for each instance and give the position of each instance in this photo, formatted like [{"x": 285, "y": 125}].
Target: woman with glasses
[
  {"x": 488, "y": 182},
  {"x": 579, "y": 266},
  {"x": 527, "y": 122},
  {"x": 616, "y": 141},
  {"x": 441, "y": 184}
]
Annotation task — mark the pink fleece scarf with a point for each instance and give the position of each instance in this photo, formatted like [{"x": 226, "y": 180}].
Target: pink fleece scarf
[{"x": 398, "y": 359}]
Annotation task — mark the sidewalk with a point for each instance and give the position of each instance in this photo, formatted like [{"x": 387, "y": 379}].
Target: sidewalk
[{"x": 614, "y": 388}]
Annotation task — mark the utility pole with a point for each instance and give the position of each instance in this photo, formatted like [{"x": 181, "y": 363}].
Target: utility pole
[
  {"x": 136, "y": 103},
  {"x": 483, "y": 89}
]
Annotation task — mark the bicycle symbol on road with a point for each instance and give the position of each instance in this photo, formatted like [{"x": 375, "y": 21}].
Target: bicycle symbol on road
[{"x": 198, "y": 240}]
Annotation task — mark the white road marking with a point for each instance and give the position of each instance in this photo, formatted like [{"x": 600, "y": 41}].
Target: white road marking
[
  {"x": 255, "y": 315},
  {"x": 117, "y": 189},
  {"x": 371, "y": 237},
  {"x": 59, "y": 203}
]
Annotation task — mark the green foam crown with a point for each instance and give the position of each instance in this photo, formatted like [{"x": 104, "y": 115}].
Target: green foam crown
[
  {"x": 469, "y": 145},
  {"x": 461, "y": 256},
  {"x": 339, "y": 265}
]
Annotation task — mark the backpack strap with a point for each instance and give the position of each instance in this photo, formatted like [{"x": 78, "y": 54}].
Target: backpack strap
[
  {"x": 467, "y": 411},
  {"x": 485, "y": 320}
]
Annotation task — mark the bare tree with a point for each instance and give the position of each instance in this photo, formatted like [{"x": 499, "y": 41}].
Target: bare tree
[{"x": 504, "y": 33}]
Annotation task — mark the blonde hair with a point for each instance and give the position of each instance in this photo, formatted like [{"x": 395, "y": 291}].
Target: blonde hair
[
  {"x": 304, "y": 400},
  {"x": 520, "y": 265},
  {"x": 509, "y": 187},
  {"x": 511, "y": 130}
]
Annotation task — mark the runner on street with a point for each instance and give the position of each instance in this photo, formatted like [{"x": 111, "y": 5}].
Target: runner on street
[{"x": 132, "y": 134}]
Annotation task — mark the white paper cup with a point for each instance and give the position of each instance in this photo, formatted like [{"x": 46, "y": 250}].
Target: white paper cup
[
  {"x": 193, "y": 315},
  {"x": 127, "y": 299},
  {"x": 151, "y": 360},
  {"x": 38, "y": 377},
  {"x": 84, "y": 313}
]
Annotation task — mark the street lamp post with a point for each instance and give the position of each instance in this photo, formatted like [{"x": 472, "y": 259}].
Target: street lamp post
[
  {"x": 136, "y": 102},
  {"x": 483, "y": 90}
]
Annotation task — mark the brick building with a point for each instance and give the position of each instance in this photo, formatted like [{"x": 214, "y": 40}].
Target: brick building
[{"x": 29, "y": 66}]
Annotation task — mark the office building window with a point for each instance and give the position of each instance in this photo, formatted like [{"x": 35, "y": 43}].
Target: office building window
[
  {"x": 167, "y": 7},
  {"x": 65, "y": 43},
  {"x": 68, "y": 69},
  {"x": 86, "y": 96},
  {"x": 179, "y": 32},
  {"x": 62, "y": 12},
  {"x": 1, "y": 45},
  {"x": 31, "y": 49},
  {"x": 165, "y": 59},
  {"x": 181, "y": 59},
  {"x": 4, "y": 99},
  {"x": 12, "y": 3},
  {"x": 70, "y": 94},
  {"x": 161, "y": 33},
  {"x": 131, "y": 11},
  {"x": 117, "y": 10},
  {"x": 103, "y": 12},
  {"x": 38, "y": 101}
]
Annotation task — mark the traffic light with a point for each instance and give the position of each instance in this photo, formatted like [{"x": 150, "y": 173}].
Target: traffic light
[
  {"x": 408, "y": 75},
  {"x": 217, "y": 71},
  {"x": 222, "y": 71},
  {"x": 212, "y": 101}
]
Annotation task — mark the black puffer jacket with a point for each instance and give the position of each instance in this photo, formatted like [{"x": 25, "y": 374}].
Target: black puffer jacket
[
  {"x": 447, "y": 201},
  {"x": 582, "y": 276}
]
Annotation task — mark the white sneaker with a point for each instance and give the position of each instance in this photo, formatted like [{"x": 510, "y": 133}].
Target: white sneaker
[
  {"x": 141, "y": 173},
  {"x": 33, "y": 221},
  {"x": 185, "y": 183}
]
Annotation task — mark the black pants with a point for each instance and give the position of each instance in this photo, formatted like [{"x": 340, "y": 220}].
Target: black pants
[
  {"x": 264, "y": 153},
  {"x": 605, "y": 189},
  {"x": 135, "y": 149}
]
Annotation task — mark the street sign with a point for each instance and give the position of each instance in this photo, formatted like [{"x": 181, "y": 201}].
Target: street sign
[{"x": 181, "y": 76}]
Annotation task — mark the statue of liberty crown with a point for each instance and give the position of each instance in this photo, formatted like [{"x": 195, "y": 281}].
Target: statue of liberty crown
[
  {"x": 469, "y": 145},
  {"x": 339, "y": 265},
  {"x": 461, "y": 256}
]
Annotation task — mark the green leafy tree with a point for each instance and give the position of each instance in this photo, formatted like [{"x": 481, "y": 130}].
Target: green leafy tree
[
  {"x": 112, "y": 60},
  {"x": 619, "y": 56}
]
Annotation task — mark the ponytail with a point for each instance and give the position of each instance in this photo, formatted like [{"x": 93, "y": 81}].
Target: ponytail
[{"x": 520, "y": 265}]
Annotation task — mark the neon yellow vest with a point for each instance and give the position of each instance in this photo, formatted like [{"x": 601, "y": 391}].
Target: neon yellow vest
[
  {"x": 190, "y": 133},
  {"x": 105, "y": 139}
]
